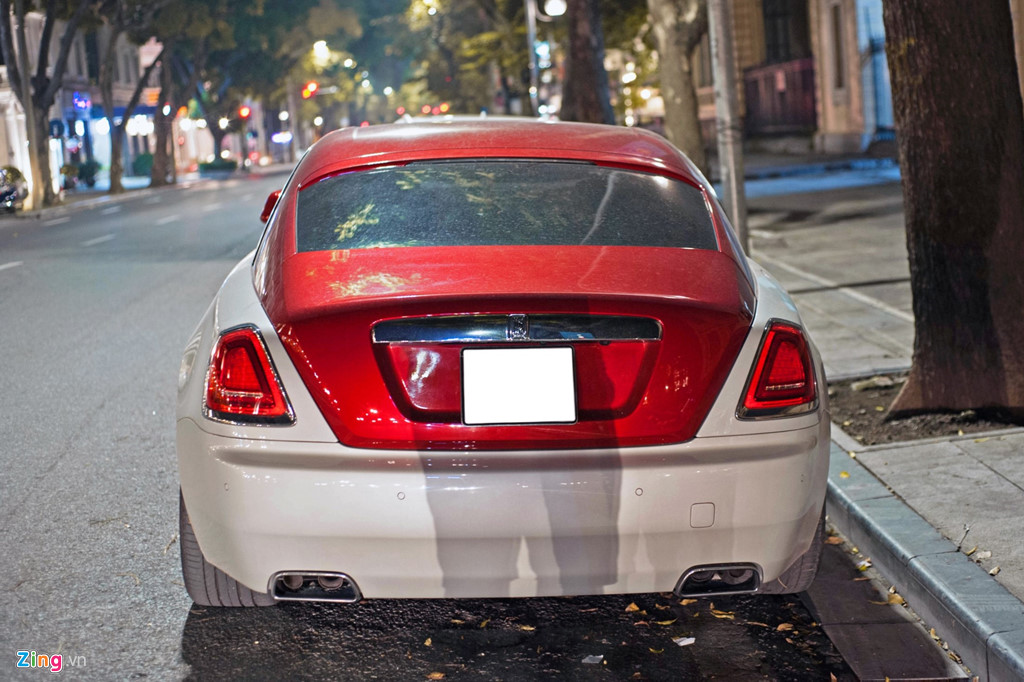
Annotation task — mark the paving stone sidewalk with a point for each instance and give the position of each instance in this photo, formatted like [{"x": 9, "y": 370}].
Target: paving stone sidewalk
[{"x": 917, "y": 509}]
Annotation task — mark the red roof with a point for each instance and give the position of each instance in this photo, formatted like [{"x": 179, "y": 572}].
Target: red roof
[{"x": 478, "y": 138}]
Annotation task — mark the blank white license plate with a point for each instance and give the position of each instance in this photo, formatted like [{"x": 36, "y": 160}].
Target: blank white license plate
[{"x": 518, "y": 386}]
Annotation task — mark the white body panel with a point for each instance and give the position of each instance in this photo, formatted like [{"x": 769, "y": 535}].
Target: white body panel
[{"x": 265, "y": 499}]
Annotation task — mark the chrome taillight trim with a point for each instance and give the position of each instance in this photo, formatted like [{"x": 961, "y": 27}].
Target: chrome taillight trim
[
  {"x": 543, "y": 328},
  {"x": 745, "y": 414},
  {"x": 287, "y": 419}
]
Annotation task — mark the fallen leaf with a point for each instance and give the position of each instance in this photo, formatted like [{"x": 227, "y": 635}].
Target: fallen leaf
[
  {"x": 789, "y": 641},
  {"x": 864, "y": 565},
  {"x": 456, "y": 621},
  {"x": 662, "y": 608},
  {"x": 687, "y": 602},
  {"x": 429, "y": 642},
  {"x": 632, "y": 608},
  {"x": 132, "y": 576},
  {"x": 879, "y": 408},
  {"x": 484, "y": 624},
  {"x": 933, "y": 634},
  {"x": 656, "y": 651},
  {"x": 971, "y": 551},
  {"x": 959, "y": 432},
  {"x": 852, "y": 454},
  {"x": 435, "y": 676},
  {"x": 593, "y": 660},
  {"x": 833, "y": 540},
  {"x": 723, "y": 614},
  {"x": 981, "y": 440},
  {"x": 760, "y": 625},
  {"x": 174, "y": 538},
  {"x": 588, "y": 610},
  {"x": 994, "y": 571},
  {"x": 665, "y": 622},
  {"x": 952, "y": 655},
  {"x": 832, "y": 677},
  {"x": 847, "y": 422},
  {"x": 784, "y": 627},
  {"x": 527, "y": 628},
  {"x": 860, "y": 580},
  {"x": 684, "y": 641},
  {"x": 844, "y": 474},
  {"x": 641, "y": 623}
]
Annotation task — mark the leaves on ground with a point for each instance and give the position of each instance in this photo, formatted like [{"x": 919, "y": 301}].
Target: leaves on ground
[
  {"x": 784, "y": 627},
  {"x": 687, "y": 602},
  {"x": 994, "y": 571},
  {"x": 429, "y": 642},
  {"x": 864, "y": 565},
  {"x": 527, "y": 628},
  {"x": 833, "y": 540},
  {"x": 727, "y": 615},
  {"x": 435, "y": 676},
  {"x": 844, "y": 474},
  {"x": 665, "y": 622},
  {"x": 656, "y": 651},
  {"x": 632, "y": 608}
]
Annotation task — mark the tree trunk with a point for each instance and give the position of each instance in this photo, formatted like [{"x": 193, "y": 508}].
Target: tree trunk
[
  {"x": 678, "y": 28},
  {"x": 960, "y": 127},
  {"x": 162, "y": 124},
  {"x": 42, "y": 123},
  {"x": 585, "y": 92}
]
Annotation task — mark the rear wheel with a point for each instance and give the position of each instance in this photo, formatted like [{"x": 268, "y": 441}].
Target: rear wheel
[
  {"x": 207, "y": 584},
  {"x": 799, "y": 576}
]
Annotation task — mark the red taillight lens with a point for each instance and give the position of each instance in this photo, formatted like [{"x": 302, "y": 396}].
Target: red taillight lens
[
  {"x": 242, "y": 385},
  {"x": 782, "y": 383}
]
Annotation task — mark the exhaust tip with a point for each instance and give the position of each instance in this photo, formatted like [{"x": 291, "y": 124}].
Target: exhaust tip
[
  {"x": 709, "y": 581},
  {"x": 314, "y": 586}
]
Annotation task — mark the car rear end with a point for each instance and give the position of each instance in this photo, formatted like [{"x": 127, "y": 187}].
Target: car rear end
[{"x": 513, "y": 372}]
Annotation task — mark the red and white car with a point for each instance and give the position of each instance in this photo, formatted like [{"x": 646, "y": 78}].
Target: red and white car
[{"x": 491, "y": 359}]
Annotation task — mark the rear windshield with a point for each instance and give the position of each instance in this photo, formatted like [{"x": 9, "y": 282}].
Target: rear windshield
[{"x": 469, "y": 203}]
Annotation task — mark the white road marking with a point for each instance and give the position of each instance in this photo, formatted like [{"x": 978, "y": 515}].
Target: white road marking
[
  {"x": 212, "y": 207},
  {"x": 168, "y": 219},
  {"x": 111, "y": 210},
  {"x": 852, "y": 293},
  {"x": 12, "y": 264},
  {"x": 99, "y": 240},
  {"x": 57, "y": 221}
]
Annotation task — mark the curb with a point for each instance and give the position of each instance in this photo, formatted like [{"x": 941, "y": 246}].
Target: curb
[{"x": 979, "y": 618}]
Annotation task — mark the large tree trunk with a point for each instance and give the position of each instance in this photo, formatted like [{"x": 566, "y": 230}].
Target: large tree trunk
[
  {"x": 45, "y": 177},
  {"x": 585, "y": 92},
  {"x": 961, "y": 143},
  {"x": 678, "y": 27}
]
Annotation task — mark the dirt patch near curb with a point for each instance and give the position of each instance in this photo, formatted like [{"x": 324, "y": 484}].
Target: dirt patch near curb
[{"x": 860, "y": 407}]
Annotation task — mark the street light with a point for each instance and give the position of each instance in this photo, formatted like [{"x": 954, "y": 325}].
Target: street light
[{"x": 552, "y": 8}]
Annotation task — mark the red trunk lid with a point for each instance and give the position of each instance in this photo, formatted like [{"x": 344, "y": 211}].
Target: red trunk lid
[{"x": 378, "y": 336}]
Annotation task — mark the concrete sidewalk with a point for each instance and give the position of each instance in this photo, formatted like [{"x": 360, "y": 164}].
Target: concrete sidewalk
[{"x": 916, "y": 509}]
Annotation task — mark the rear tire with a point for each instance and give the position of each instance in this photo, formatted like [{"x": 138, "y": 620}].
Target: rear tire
[
  {"x": 799, "y": 576},
  {"x": 207, "y": 584}
]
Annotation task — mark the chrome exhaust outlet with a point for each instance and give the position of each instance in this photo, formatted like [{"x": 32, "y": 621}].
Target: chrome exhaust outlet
[
  {"x": 314, "y": 586},
  {"x": 714, "y": 580}
]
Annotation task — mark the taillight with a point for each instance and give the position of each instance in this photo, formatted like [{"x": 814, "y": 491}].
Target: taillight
[
  {"x": 782, "y": 382},
  {"x": 241, "y": 385}
]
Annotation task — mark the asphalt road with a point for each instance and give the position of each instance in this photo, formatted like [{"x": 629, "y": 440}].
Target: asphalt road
[{"x": 96, "y": 305}]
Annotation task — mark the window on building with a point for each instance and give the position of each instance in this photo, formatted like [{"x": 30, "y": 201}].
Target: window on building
[
  {"x": 838, "y": 48},
  {"x": 786, "y": 30}
]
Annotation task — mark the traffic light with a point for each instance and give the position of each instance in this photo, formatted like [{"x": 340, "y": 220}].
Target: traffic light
[
  {"x": 244, "y": 111},
  {"x": 310, "y": 89}
]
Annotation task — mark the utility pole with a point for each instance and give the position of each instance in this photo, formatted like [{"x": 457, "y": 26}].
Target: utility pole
[
  {"x": 531, "y": 40},
  {"x": 730, "y": 134}
]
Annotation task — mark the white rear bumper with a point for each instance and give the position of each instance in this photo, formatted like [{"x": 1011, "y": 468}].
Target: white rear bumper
[{"x": 496, "y": 524}]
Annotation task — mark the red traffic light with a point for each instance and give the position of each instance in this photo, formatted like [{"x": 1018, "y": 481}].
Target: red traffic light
[
  {"x": 310, "y": 89},
  {"x": 244, "y": 111}
]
